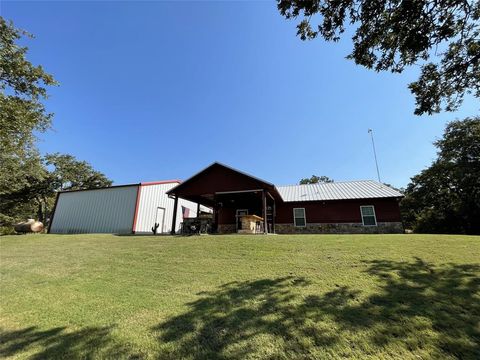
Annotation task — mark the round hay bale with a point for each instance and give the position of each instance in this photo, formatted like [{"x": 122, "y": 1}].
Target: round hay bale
[{"x": 29, "y": 226}]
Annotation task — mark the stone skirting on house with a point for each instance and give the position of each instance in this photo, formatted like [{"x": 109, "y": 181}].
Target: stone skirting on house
[
  {"x": 226, "y": 228},
  {"x": 341, "y": 228}
]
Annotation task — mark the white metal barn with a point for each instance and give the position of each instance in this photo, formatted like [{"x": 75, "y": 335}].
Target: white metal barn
[{"x": 124, "y": 209}]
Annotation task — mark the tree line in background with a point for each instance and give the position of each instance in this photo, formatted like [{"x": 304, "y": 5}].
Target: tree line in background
[
  {"x": 445, "y": 197},
  {"x": 29, "y": 185},
  {"x": 29, "y": 181}
]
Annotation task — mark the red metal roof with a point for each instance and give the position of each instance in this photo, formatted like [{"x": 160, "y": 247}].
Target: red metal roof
[{"x": 160, "y": 182}]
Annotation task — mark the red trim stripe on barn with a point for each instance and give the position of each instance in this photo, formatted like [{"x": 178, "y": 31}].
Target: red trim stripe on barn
[
  {"x": 136, "y": 209},
  {"x": 160, "y": 182}
]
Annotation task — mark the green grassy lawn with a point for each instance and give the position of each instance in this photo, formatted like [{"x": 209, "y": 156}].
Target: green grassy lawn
[{"x": 236, "y": 297}]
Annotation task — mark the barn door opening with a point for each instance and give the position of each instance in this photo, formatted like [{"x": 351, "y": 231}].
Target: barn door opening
[{"x": 159, "y": 221}]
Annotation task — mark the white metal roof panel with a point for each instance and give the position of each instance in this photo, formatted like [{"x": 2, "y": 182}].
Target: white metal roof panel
[{"x": 364, "y": 189}]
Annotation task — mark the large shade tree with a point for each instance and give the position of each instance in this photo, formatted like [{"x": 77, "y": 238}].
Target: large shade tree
[
  {"x": 23, "y": 87},
  {"x": 443, "y": 37},
  {"x": 445, "y": 197},
  {"x": 28, "y": 181}
]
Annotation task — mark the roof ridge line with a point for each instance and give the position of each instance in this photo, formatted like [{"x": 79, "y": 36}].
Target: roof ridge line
[{"x": 333, "y": 182}]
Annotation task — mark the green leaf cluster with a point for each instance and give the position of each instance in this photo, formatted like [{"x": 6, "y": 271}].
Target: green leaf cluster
[
  {"x": 314, "y": 179},
  {"x": 23, "y": 86},
  {"x": 443, "y": 37}
]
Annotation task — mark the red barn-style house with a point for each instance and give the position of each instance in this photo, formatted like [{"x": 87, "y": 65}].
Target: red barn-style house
[{"x": 246, "y": 204}]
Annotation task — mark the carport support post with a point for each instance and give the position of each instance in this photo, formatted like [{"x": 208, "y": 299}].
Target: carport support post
[
  {"x": 264, "y": 211},
  {"x": 174, "y": 219},
  {"x": 274, "y": 213}
]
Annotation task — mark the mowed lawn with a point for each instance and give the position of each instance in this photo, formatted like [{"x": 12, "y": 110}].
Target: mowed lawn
[{"x": 240, "y": 297}]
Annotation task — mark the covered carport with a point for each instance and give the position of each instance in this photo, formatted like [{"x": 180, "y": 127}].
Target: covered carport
[{"x": 231, "y": 194}]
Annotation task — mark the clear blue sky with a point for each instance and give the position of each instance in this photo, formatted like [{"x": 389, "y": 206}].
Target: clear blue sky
[{"x": 159, "y": 90}]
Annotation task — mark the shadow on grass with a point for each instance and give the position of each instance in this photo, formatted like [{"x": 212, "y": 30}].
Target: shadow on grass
[
  {"x": 418, "y": 308},
  {"x": 56, "y": 343},
  {"x": 223, "y": 322}
]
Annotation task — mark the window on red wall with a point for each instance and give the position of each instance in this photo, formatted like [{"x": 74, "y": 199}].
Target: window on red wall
[
  {"x": 299, "y": 217},
  {"x": 368, "y": 215}
]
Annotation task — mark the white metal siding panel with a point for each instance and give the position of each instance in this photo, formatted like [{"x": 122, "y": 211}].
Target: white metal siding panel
[
  {"x": 337, "y": 191},
  {"x": 95, "y": 211},
  {"x": 151, "y": 198}
]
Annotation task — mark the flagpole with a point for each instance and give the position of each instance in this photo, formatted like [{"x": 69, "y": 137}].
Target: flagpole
[{"x": 370, "y": 131}]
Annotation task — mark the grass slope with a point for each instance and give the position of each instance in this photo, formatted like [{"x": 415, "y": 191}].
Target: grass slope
[{"x": 232, "y": 297}]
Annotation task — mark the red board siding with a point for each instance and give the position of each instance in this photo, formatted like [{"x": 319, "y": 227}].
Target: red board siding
[
  {"x": 218, "y": 178},
  {"x": 342, "y": 211}
]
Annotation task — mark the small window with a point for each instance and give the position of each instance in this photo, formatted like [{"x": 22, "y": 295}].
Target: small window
[
  {"x": 368, "y": 215},
  {"x": 299, "y": 217}
]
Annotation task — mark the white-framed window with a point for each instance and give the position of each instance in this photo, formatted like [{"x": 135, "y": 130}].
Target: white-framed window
[
  {"x": 299, "y": 217},
  {"x": 368, "y": 215}
]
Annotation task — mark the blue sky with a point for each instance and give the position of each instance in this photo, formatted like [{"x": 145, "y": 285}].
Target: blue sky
[{"x": 159, "y": 90}]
